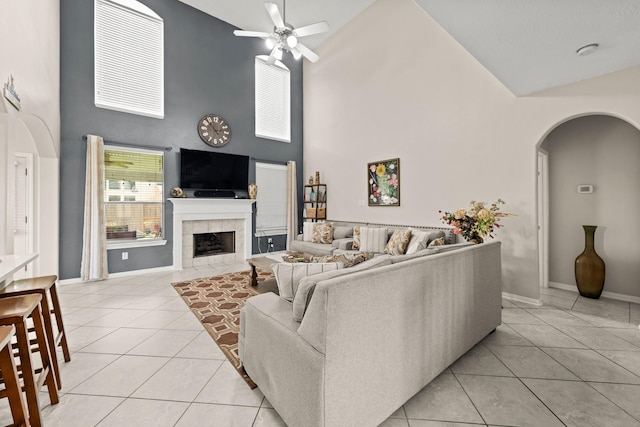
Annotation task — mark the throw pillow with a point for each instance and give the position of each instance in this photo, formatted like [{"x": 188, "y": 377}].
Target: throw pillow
[
  {"x": 356, "y": 239},
  {"x": 397, "y": 244},
  {"x": 373, "y": 239},
  {"x": 420, "y": 239},
  {"x": 297, "y": 257},
  {"x": 436, "y": 242},
  {"x": 288, "y": 275},
  {"x": 342, "y": 232},
  {"x": 307, "y": 231},
  {"x": 322, "y": 232},
  {"x": 348, "y": 260}
]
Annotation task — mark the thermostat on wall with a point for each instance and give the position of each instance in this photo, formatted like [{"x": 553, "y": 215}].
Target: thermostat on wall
[{"x": 585, "y": 188}]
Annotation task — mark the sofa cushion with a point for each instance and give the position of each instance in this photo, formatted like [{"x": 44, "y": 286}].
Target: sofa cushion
[
  {"x": 356, "y": 239},
  {"x": 311, "y": 248},
  {"x": 288, "y": 275},
  {"x": 373, "y": 239},
  {"x": 398, "y": 242},
  {"x": 308, "y": 284},
  {"x": 342, "y": 232},
  {"x": 420, "y": 239},
  {"x": 322, "y": 232}
]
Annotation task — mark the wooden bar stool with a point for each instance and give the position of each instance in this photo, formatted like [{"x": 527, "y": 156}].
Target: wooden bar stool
[
  {"x": 12, "y": 390},
  {"x": 16, "y": 311},
  {"x": 46, "y": 287}
]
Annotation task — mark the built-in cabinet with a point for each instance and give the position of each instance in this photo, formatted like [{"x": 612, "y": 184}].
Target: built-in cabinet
[{"x": 315, "y": 202}]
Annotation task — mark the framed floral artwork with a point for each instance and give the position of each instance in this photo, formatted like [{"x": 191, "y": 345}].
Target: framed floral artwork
[{"x": 383, "y": 180}]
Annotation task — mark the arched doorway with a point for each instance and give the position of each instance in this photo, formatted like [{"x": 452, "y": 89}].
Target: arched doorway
[{"x": 601, "y": 151}]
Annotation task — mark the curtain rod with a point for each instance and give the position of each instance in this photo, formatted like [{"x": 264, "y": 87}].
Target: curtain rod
[{"x": 128, "y": 144}]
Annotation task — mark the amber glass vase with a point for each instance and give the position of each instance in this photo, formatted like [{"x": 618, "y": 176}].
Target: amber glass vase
[{"x": 589, "y": 267}]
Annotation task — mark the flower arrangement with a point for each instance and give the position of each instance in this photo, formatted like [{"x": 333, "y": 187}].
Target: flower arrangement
[{"x": 477, "y": 221}]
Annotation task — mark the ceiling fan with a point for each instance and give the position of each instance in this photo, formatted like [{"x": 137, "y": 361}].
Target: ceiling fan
[{"x": 284, "y": 37}]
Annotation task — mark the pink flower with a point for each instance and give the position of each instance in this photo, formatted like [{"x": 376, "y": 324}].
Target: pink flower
[
  {"x": 456, "y": 230},
  {"x": 372, "y": 168},
  {"x": 394, "y": 180}
]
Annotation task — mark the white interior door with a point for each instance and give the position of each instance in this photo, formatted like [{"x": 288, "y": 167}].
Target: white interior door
[{"x": 23, "y": 209}]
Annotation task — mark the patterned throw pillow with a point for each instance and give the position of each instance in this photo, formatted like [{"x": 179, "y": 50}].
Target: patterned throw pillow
[
  {"x": 436, "y": 242},
  {"x": 373, "y": 239},
  {"x": 356, "y": 239},
  {"x": 288, "y": 275},
  {"x": 397, "y": 244},
  {"x": 349, "y": 260},
  {"x": 322, "y": 232}
]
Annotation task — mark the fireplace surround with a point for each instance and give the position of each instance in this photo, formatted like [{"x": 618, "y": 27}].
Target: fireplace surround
[{"x": 200, "y": 215}]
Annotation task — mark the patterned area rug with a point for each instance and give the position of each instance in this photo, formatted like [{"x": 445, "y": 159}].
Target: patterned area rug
[{"x": 216, "y": 302}]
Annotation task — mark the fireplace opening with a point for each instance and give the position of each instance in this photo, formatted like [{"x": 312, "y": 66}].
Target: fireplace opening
[{"x": 207, "y": 244}]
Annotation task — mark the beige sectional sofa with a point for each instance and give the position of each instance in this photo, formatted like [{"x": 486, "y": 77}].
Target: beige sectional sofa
[{"x": 371, "y": 336}]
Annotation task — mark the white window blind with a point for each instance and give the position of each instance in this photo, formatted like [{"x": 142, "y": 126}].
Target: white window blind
[
  {"x": 129, "y": 58},
  {"x": 133, "y": 194},
  {"x": 273, "y": 100},
  {"x": 271, "y": 202}
]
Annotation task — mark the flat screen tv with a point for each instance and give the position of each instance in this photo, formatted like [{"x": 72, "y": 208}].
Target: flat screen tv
[{"x": 206, "y": 170}]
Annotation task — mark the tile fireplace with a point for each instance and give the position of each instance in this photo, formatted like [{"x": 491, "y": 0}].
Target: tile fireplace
[{"x": 195, "y": 216}]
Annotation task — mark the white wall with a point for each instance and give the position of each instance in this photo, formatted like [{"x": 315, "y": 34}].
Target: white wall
[
  {"x": 605, "y": 152},
  {"x": 392, "y": 83},
  {"x": 30, "y": 46}
]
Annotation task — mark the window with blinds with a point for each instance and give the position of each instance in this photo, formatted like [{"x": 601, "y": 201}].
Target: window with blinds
[
  {"x": 133, "y": 193},
  {"x": 129, "y": 58},
  {"x": 271, "y": 202},
  {"x": 273, "y": 100}
]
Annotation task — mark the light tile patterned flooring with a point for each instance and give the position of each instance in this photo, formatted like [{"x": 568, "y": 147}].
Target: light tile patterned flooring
[{"x": 140, "y": 358}]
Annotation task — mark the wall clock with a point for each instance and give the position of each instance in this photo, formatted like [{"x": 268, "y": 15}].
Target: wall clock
[{"x": 214, "y": 130}]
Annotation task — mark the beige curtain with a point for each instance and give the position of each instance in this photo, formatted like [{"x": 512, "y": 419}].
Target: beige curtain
[
  {"x": 94, "y": 243},
  {"x": 292, "y": 202}
]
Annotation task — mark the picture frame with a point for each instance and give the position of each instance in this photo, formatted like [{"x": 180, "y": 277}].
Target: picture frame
[{"x": 383, "y": 182}]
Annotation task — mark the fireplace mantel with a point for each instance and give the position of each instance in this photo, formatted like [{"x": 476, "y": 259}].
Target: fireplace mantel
[{"x": 194, "y": 209}]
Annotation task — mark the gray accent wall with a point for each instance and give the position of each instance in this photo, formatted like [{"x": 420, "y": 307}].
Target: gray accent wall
[
  {"x": 207, "y": 70},
  {"x": 605, "y": 152}
]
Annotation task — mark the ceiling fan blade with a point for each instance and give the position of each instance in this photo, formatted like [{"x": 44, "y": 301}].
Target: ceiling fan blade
[
  {"x": 242, "y": 33},
  {"x": 307, "y": 30},
  {"x": 274, "y": 13},
  {"x": 307, "y": 53},
  {"x": 272, "y": 56}
]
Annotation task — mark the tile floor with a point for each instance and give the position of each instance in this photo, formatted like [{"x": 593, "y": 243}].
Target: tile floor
[{"x": 140, "y": 358}]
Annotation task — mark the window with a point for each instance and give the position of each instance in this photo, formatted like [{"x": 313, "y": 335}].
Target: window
[
  {"x": 133, "y": 194},
  {"x": 129, "y": 58},
  {"x": 271, "y": 203},
  {"x": 273, "y": 100}
]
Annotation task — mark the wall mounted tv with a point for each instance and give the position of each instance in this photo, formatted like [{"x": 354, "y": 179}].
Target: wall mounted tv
[{"x": 206, "y": 170}]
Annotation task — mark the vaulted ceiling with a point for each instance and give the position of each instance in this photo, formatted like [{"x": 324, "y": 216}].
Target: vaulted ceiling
[{"x": 528, "y": 45}]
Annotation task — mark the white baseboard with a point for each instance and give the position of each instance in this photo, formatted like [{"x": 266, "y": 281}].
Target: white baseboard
[
  {"x": 121, "y": 274},
  {"x": 519, "y": 298},
  {"x": 612, "y": 295}
]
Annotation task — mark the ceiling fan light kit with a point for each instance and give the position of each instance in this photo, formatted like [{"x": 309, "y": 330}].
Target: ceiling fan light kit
[{"x": 285, "y": 37}]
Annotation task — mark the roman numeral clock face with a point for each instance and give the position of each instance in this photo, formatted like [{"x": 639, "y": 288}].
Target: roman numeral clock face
[{"x": 214, "y": 130}]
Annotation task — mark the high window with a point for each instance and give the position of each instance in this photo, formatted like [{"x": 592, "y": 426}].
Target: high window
[
  {"x": 273, "y": 100},
  {"x": 133, "y": 195},
  {"x": 129, "y": 58}
]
